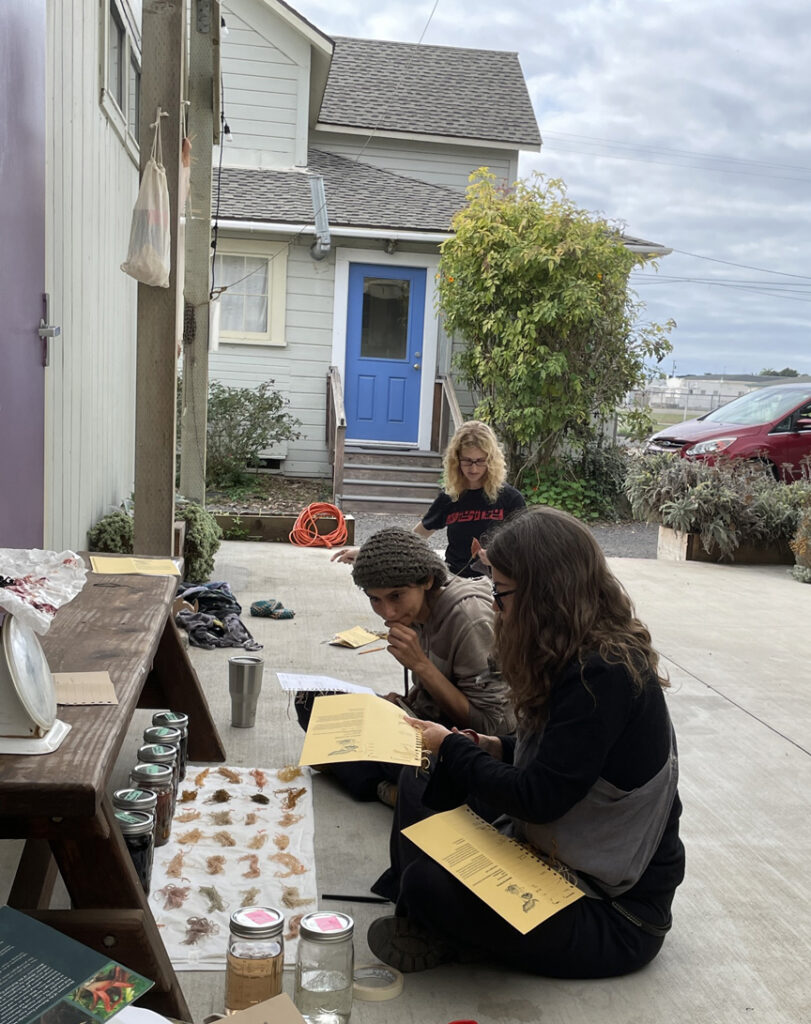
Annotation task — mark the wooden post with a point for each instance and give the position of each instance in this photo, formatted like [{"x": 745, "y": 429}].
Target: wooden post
[
  {"x": 162, "y": 75},
  {"x": 203, "y": 46}
]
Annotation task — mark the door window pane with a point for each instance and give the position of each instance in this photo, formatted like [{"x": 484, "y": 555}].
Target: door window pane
[
  {"x": 115, "y": 56},
  {"x": 384, "y": 328}
]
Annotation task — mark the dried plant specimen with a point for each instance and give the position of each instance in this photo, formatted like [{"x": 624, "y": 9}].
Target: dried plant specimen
[
  {"x": 288, "y": 773},
  {"x": 287, "y": 860},
  {"x": 192, "y": 836},
  {"x": 258, "y": 777},
  {"x": 221, "y": 818},
  {"x": 288, "y": 819},
  {"x": 229, "y": 773},
  {"x": 224, "y": 838},
  {"x": 198, "y": 928},
  {"x": 260, "y": 798},
  {"x": 293, "y": 927},
  {"x": 281, "y": 841},
  {"x": 214, "y": 899},
  {"x": 215, "y": 865},
  {"x": 251, "y": 818},
  {"x": 219, "y": 796},
  {"x": 249, "y": 896},
  {"x": 253, "y": 865},
  {"x": 201, "y": 777},
  {"x": 174, "y": 868},
  {"x": 258, "y": 841},
  {"x": 173, "y": 896},
  {"x": 293, "y": 796},
  {"x": 188, "y": 795},
  {"x": 291, "y": 897},
  {"x": 186, "y": 816}
]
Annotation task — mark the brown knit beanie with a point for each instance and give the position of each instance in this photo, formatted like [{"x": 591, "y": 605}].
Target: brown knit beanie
[{"x": 396, "y": 558}]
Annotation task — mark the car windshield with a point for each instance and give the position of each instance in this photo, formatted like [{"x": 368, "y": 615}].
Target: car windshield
[{"x": 758, "y": 407}]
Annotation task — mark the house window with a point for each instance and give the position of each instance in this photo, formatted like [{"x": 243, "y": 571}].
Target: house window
[
  {"x": 120, "y": 68},
  {"x": 252, "y": 302}
]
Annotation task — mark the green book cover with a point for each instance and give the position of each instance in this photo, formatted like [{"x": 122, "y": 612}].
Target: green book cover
[{"x": 48, "y": 978}]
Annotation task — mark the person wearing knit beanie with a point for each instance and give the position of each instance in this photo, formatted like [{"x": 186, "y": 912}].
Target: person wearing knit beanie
[{"x": 397, "y": 558}]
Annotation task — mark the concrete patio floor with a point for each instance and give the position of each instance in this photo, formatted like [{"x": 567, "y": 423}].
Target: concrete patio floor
[{"x": 736, "y": 643}]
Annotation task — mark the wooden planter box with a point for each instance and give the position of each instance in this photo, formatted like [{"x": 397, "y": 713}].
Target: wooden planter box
[
  {"x": 675, "y": 546},
  {"x": 276, "y": 528}
]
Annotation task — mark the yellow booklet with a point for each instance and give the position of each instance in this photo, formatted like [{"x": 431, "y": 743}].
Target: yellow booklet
[
  {"x": 359, "y": 727},
  {"x": 509, "y": 876},
  {"x": 134, "y": 566}
]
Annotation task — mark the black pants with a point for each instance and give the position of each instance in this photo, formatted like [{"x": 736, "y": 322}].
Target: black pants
[
  {"x": 587, "y": 939},
  {"x": 359, "y": 778}
]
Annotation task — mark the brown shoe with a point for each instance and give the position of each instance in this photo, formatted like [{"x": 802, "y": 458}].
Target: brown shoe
[{"x": 387, "y": 793}]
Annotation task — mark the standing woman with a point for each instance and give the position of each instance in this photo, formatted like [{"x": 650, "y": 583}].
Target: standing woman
[
  {"x": 589, "y": 780},
  {"x": 475, "y": 498}
]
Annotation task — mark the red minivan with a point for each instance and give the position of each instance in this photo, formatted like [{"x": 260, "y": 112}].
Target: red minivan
[{"x": 771, "y": 424}]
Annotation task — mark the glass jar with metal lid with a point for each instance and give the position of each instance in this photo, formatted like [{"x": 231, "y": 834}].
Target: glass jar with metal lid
[
  {"x": 159, "y": 753},
  {"x": 137, "y": 828},
  {"x": 176, "y": 720},
  {"x": 255, "y": 958},
  {"x": 325, "y": 967},
  {"x": 135, "y": 800},
  {"x": 158, "y": 779}
]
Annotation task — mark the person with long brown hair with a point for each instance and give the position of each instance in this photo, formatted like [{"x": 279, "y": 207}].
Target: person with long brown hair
[{"x": 589, "y": 780}]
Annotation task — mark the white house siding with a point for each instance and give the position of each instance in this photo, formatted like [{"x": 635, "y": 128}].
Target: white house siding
[
  {"x": 91, "y": 186},
  {"x": 435, "y": 163},
  {"x": 265, "y": 70}
]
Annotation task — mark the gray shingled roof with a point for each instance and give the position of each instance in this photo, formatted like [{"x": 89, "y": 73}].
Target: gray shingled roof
[
  {"x": 430, "y": 90},
  {"x": 358, "y": 195}
]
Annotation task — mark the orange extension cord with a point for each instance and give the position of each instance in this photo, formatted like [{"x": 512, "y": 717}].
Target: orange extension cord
[{"x": 305, "y": 531}]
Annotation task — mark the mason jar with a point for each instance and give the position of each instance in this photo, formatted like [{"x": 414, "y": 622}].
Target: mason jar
[
  {"x": 180, "y": 721},
  {"x": 159, "y": 753},
  {"x": 136, "y": 800},
  {"x": 158, "y": 779},
  {"x": 137, "y": 828},
  {"x": 255, "y": 957},
  {"x": 325, "y": 964}
]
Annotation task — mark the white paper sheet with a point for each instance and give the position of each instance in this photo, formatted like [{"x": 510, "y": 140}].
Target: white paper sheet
[{"x": 289, "y": 681}]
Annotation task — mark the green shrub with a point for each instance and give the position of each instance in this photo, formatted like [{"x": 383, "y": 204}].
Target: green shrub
[
  {"x": 589, "y": 484},
  {"x": 801, "y": 546},
  {"x": 112, "y": 533}
]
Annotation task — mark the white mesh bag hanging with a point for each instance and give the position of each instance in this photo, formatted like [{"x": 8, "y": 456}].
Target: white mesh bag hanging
[{"x": 148, "y": 256}]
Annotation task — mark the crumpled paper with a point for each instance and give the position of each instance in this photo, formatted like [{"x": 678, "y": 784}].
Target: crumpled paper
[{"x": 40, "y": 583}]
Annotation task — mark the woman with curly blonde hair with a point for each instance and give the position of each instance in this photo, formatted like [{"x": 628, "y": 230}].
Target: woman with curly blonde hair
[
  {"x": 589, "y": 779},
  {"x": 475, "y": 498}
]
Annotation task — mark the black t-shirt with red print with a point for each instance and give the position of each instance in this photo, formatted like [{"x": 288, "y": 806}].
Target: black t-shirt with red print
[{"x": 467, "y": 519}]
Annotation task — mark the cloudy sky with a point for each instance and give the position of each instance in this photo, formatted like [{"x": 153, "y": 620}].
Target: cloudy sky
[{"x": 688, "y": 120}]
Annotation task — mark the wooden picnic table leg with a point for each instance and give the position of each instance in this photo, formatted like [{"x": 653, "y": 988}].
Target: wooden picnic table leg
[
  {"x": 99, "y": 875},
  {"x": 174, "y": 684}
]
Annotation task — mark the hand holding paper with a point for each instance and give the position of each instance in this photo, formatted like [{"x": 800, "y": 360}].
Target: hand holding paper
[{"x": 359, "y": 727}]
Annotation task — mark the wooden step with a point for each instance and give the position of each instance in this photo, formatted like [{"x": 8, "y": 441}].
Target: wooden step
[{"x": 379, "y": 479}]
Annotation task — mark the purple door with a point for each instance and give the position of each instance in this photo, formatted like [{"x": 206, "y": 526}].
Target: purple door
[{"x": 22, "y": 271}]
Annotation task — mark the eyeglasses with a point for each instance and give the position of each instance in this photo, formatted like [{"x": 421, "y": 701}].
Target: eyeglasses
[
  {"x": 470, "y": 463},
  {"x": 499, "y": 595}
]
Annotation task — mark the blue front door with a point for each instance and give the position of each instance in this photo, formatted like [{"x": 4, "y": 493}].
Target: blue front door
[{"x": 385, "y": 311}]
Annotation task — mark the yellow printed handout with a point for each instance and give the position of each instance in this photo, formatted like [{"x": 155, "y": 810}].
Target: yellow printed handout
[
  {"x": 357, "y": 636},
  {"x": 359, "y": 727},
  {"x": 134, "y": 566},
  {"x": 506, "y": 874}
]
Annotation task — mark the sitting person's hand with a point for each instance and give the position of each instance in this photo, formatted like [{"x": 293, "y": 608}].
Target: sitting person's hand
[
  {"x": 432, "y": 733},
  {"x": 404, "y": 644},
  {"x": 347, "y": 555}
]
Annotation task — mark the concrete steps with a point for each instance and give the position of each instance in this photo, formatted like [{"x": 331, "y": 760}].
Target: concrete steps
[{"x": 383, "y": 480}]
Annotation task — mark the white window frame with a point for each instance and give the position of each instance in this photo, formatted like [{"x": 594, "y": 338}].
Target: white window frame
[
  {"x": 118, "y": 115},
  {"x": 276, "y": 255}
]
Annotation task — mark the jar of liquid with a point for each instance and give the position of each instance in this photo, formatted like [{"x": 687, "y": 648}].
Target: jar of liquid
[
  {"x": 180, "y": 721},
  {"x": 137, "y": 828},
  {"x": 158, "y": 779},
  {"x": 325, "y": 967},
  {"x": 159, "y": 753},
  {"x": 255, "y": 958}
]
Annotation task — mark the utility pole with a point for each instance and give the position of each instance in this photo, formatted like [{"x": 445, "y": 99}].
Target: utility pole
[
  {"x": 204, "y": 86},
  {"x": 162, "y": 78}
]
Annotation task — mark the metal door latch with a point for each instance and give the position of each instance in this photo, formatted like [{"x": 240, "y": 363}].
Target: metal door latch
[{"x": 47, "y": 331}]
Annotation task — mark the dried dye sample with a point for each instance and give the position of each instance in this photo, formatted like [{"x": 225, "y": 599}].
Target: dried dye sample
[
  {"x": 186, "y": 816},
  {"x": 281, "y": 841},
  {"x": 248, "y": 897},
  {"x": 291, "y": 897},
  {"x": 260, "y": 798},
  {"x": 258, "y": 777},
  {"x": 192, "y": 836},
  {"x": 288, "y": 773},
  {"x": 187, "y": 796},
  {"x": 251, "y": 818},
  {"x": 288, "y": 819},
  {"x": 174, "y": 896},
  {"x": 258, "y": 841},
  {"x": 292, "y": 798},
  {"x": 214, "y": 899},
  {"x": 230, "y": 774},
  {"x": 201, "y": 777},
  {"x": 221, "y": 818},
  {"x": 253, "y": 865},
  {"x": 287, "y": 860},
  {"x": 293, "y": 925},
  {"x": 219, "y": 796},
  {"x": 174, "y": 868},
  {"x": 198, "y": 928},
  {"x": 215, "y": 865},
  {"x": 224, "y": 838}
]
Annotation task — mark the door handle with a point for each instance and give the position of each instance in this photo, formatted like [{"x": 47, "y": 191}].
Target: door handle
[
  {"x": 416, "y": 366},
  {"x": 46, "y": 332}
]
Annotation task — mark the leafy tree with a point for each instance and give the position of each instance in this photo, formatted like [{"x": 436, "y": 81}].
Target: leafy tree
[
  {"x": 537, "y": 290},
  {"x": 787, "y": 371}
]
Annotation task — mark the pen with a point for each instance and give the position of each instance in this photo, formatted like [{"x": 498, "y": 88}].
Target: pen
[{"x": 405, "y": 680}]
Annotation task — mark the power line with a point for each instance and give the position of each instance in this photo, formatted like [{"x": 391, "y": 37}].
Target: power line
[{"x": 743, "y": 266}]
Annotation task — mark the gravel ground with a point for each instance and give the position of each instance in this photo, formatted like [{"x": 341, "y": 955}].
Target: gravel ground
[{"x": 618, "y": 540}]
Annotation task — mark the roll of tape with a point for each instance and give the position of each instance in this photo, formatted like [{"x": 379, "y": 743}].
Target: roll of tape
[{"x": 374, "y": 983}]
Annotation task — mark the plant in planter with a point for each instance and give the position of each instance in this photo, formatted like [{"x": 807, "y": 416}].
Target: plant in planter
[
  {"x": 728, "y": 503},
  {"x": 801, "y": 546}
]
